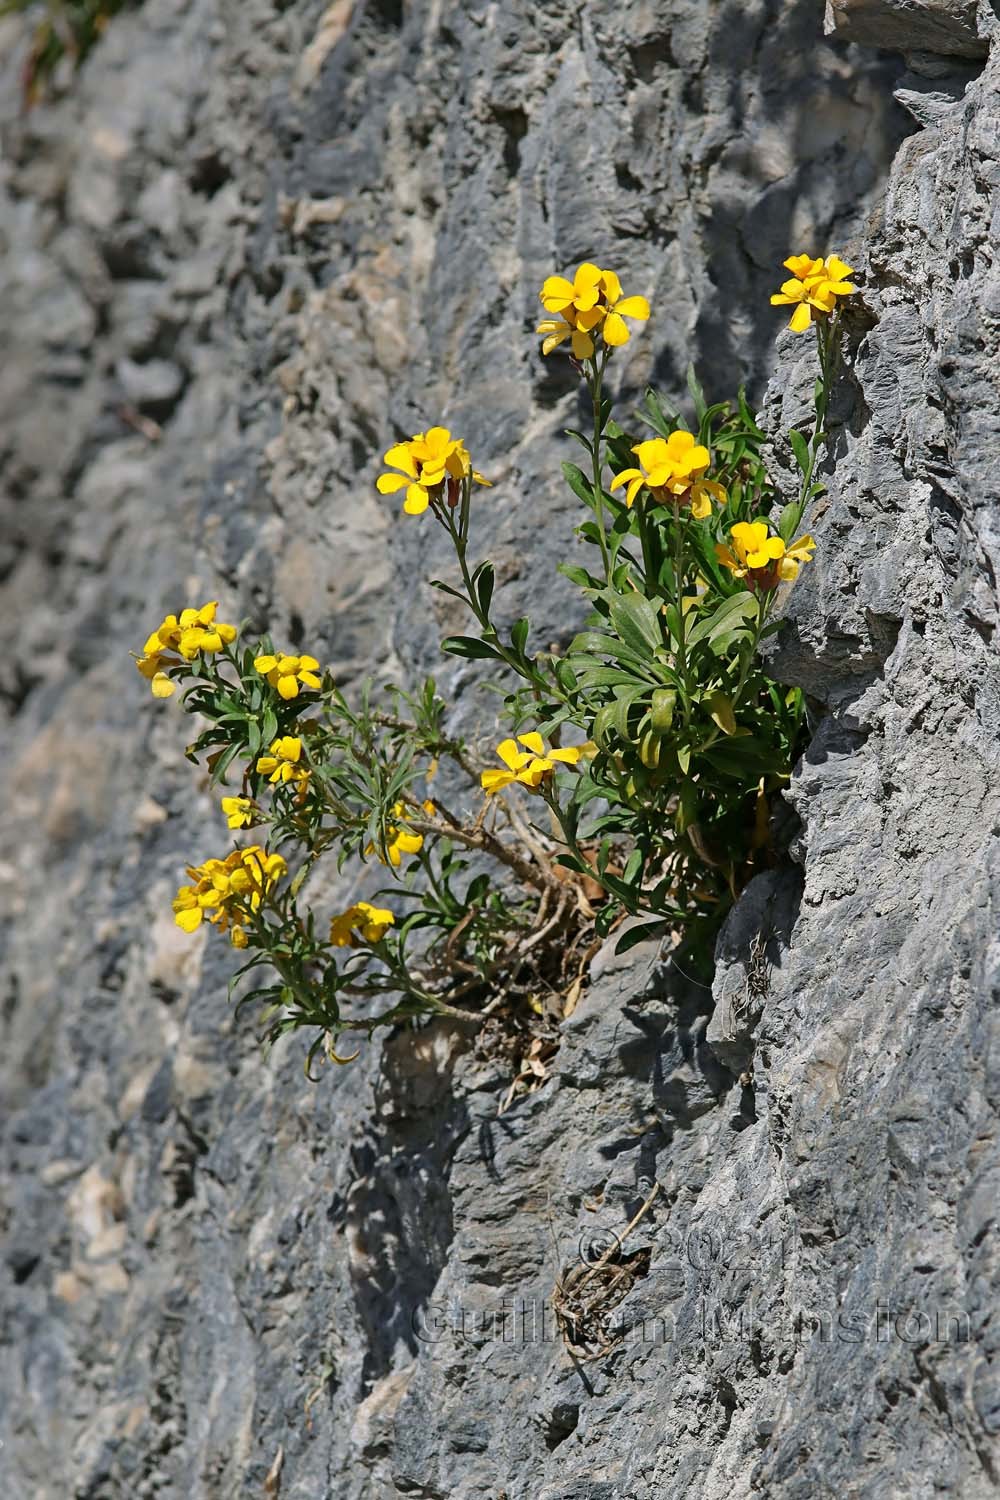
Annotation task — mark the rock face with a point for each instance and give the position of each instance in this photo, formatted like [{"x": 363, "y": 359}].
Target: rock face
[{"x": 252, "y": 245}]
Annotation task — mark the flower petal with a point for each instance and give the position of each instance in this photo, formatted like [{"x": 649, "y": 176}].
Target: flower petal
[
  {"x": 587, "y": 275},
  {"x": 633, "y": 307},
  {"x": 615, "y": 330},
  {"x": 400, "y": 457},
  {"x": 555, "y": 339},
  {"x": 532, "y": 742},
  {"x": 417, "y": 500},
  {"x": 624, "y": 477},
  {"x": 493, "y": 781},
  {"x": 388, "y": 484},
  {"x": 633, "y": 490},
  {"x": 511, "y": 755}
]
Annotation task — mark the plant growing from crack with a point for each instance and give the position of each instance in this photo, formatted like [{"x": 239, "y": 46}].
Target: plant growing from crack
[{"x": 639, "y": 774}]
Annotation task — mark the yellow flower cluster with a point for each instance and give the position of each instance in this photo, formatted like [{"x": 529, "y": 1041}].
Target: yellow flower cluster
[
  {"x": 591, "y": 303},
  {"x": 763, "y": 560},
  {"x": 814, "y": 287},
  {"x": 286, "y": 672},
  {"x": 230, "y": 888},
  {"x": 400, "y": 841},
  {"x": 528, "y": 767},
  {"x": 283, "y": 764},
  {"x": 672, "y": 469},
  {"x": 372, "y": 922},
  {"x": 192, "y": 631},
  {"x": 428, "y": 461}
]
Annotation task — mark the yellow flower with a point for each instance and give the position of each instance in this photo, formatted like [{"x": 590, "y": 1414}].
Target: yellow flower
[
  {"x": 241, "y": 812},
  {"x": 231, "y": 888},
  {"x": 530, "y": 766},
  {"x": 398, "y": 840},
  {"x": 195, "y": 630},
  {"x": 428, "y": 461},
  {"x": 592, "y": 302},
  {"x": 283, "y": 763},
  {"x": 672, "y": 468},
  {"x": 373, "y": 922},
  {"x": 286, "y": 672},
  {"x": 763, "y": 560},
  {"x": 814, "y": 284}
]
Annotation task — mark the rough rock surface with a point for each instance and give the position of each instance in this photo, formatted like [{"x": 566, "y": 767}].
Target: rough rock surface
[{"x": 251, "y": 245}]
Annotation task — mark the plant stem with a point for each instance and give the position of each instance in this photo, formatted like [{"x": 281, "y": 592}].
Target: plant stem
[
  {"x": 596, "y": 387},
  {"x": 679, "y": 601},
  {"x": 489, "y": 844},
  {"x": 647, "y": 561}
]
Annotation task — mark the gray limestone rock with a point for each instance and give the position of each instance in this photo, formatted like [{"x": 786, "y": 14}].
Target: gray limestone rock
[{"x": 326, "y": 224}]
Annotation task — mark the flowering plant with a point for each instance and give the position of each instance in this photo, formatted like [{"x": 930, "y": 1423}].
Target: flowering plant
[{"x": 644, "y": 761}]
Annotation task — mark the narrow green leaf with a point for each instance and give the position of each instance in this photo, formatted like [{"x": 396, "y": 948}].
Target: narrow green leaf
[
  {"x": 469, "y": 647},
  {"x": 801, "y": 450},
  {"x": 725, "y": 617},
  {"x": 637, "y": 623},
  {"x": 641, "y": 933},
  {"x": 788, "y": 521},
  {"x": 579, "y": 576},
  {"x": 697, "y": 394},
  {"x": 579, "y": 484},
  {"x": 484, "y": 580},
  {"x": 519, "y": 634}
]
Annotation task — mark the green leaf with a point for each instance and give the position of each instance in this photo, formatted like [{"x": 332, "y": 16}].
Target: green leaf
[
  {"x": 801, "y": 449},
  {"x": 745, "y": 756},
  {"x": 592, "y": 643},
  {"x": 788, "y": 521},
  {"x": 601, "y": 677},
  {"x": 565, "y": 676},
  {"x": 697, "y": 394},
  {"x": 579, "y": 576},
  {"x": 468, "y": 646},
  {"x": 749, "y": 421},
  {"x": 446, "y": 588},
  {"x": 519, "y": 634},
  {"x": 223, "y": 763},
  {"x": 579, "y": 484},
  {"x": 637, "y": 623},
  {"x": 641, "y": 933},
  {"x": 484, "y": 579},
  {"x": 661, "y": 415},
  {"x": 720, "y": 708},
  {"x": 726, "y": 617}
]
